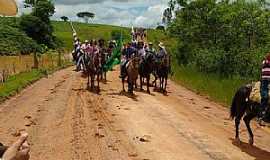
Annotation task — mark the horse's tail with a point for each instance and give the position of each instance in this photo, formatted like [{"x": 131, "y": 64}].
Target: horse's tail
[
  {"x": 233, "y": 107},
  {"x": 240, "y": 99}
]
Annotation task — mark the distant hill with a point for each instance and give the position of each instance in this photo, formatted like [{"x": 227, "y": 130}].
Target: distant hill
[
  {"x": 14, "y": 41},
  {"x": 97, "y": 31}
]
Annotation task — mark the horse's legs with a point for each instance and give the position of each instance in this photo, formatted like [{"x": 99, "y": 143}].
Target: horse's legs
[
  {"x": 159, "y": 83},
  {"x": 98, "y": 76},
  {"x": 166, "y": 81},
  {"x": 148, "y": 83},
  {"x": 237, "y": 123},
  {"x": 88, "y": 80},
  {"x": 155, "y": 82},
  {"x": 135, "y": 83},
  {"x": 247, "y": 120},
  {"x": 123, "y": 84},
  {"x": 92, "y": 81},
  {"x": 162, "y": 84},
  {"x": 141, "y": 83},
  {"x": 129, "y": 84}
]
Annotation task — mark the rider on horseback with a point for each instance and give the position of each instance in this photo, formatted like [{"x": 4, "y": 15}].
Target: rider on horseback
[
  {"x": 126, "y": 55},
  {"x": 81, "y": 50},
  {"x": 265, "y": 79},
  {"x": 141, "y": 50},
  {"x": 162, "y": 51},
  {"x": 150, "y": 48}
]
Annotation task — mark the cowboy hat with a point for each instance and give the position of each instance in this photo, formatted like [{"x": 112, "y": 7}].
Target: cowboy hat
[
  {"x": 86, "y": 41},
  {"x": 150, "y": 43},
  {"x": 8, "y": 8},
  {"x": 161, "y": 45}
]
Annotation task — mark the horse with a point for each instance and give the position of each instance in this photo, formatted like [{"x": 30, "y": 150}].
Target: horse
[
  {"x": 132, "y": 70},
  {"x": 93, "y": 69},
  {"x": 145, "y": 69},
  {"x": 103, "y": 58},
  {"x": 242, "y": 106},
  {"x": 161, "y": 72}
]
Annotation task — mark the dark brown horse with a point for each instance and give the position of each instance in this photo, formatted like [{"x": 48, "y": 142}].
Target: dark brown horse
[
  {"x": 161, "y": 72},
  {"x": 132, "y": 70},
  {"x": 145, "y": 69},
  {"x": 242, "y": 106}
]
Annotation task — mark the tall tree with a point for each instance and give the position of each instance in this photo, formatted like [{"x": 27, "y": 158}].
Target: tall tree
[
  {"x": 86, "y": 16},
  {"x": 39, "y": 19},
  {"x": 37, "y": 25}
]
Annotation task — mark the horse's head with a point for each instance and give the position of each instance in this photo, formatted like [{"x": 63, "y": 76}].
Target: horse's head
[{"x": 150, "y": 57}]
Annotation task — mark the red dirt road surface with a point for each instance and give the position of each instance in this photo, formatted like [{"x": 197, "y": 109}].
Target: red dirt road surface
[{"x": 67, "y": 122}]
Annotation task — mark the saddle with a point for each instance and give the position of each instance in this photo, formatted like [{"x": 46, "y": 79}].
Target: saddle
[{"x": 255, "y": 94}]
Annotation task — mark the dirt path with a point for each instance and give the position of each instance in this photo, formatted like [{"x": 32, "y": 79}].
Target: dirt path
[{"x": 66, "y": 122}]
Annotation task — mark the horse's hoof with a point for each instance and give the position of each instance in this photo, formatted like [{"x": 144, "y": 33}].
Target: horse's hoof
[
  {"x": 251, "y": 142},
  {"x": 148, "y": 92},
  {"x": 237, "y": 141}
]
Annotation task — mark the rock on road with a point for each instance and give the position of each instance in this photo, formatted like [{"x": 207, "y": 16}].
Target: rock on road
[{"x": 67, "y": 122}]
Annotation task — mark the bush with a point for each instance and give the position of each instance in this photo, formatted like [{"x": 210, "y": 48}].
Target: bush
[{"x": 14, "y": 41}]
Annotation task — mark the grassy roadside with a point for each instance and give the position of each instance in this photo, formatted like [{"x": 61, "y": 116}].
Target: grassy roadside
[
  {"x": 18, "y": 82},
  {"x": 216, "y": 88}
]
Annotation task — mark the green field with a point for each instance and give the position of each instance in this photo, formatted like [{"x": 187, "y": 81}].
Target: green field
[{"x": 86, "y": 32}]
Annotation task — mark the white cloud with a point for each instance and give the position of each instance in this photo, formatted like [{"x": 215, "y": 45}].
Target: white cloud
[{"x": 146, "y": 13}]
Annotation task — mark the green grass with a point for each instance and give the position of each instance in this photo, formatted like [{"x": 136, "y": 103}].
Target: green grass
[
  {"x": 17, "y": 82},
  {"x": 216, "y": 88}
]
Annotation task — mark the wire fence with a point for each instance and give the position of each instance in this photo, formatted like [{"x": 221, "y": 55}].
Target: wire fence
[{"x": 11, "y": 65}]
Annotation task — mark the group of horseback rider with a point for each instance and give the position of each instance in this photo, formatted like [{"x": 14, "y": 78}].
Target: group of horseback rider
[
  {"x": 140, "y": 49},
  {"x": 90, "y": 48}
]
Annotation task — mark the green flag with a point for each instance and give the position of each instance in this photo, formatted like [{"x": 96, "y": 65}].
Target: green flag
[{"x": 115, "y": 59}]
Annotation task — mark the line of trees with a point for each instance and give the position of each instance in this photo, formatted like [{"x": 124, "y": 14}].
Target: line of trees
[
  {"x": 221, "y": 36},
  {"x": 84, "y": 15}
]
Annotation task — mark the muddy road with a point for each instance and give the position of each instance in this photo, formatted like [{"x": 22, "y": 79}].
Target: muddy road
[{"x": 67, "y": 122}]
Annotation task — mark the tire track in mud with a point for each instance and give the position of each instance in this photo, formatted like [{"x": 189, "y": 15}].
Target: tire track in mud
[
  {"x": 111, "y": 144},
  {"x": 79, "y": 141}
]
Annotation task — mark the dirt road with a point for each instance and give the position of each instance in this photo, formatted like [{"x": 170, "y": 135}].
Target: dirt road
[{"x": 67, "y": 122}]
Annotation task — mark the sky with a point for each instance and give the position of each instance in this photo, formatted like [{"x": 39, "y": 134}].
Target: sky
[{"x": 138, "y": 13}]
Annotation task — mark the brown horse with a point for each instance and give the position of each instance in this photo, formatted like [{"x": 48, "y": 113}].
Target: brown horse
[
  {"x": 132, "y": 70},
  {"x": 93, "y": 69}
]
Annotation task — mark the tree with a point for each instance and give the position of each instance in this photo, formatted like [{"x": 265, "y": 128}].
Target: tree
[
  {"x": 43, "y": 9},
  {"x": 223, "y": 37},
  {"x": 167, "y": 16},
  {"x": 86, "y": 16},
  {"x": 65, "y": 18},
  {"x": 37, "y": 25},
  {"x": 168, "y": 12}
]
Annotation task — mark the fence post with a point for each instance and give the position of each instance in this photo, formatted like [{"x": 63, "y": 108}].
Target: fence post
[
  {"x": 59, "y": 64},
  {"x": 35, "y": 60}
]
